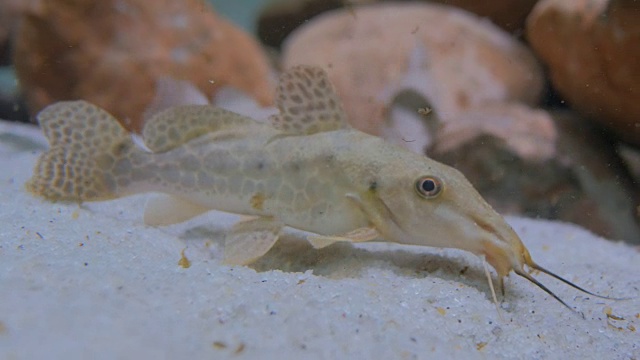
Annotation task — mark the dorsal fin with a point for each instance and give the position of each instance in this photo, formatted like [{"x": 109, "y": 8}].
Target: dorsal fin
[
  {"x": 307, "y": 102},
  {"x": 172, "y": 92},
  {"x": 179, "y": 124}
]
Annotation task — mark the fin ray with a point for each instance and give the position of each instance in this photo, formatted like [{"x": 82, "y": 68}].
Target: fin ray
[
  {"x": 250, "y": 239},
  {"x": 307, "y": 102},
  {"x": 355, "y": 236},
  {"x": 168, "y": 210},
  {"x": 179, "y": 124},
  {"x": 84, "y": 141}
]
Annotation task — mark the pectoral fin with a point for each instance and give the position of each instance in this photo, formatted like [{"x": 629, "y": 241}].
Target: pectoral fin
[
  {"x": 357, "y": 235},
  {"x": 168, "y": 210},
  {"x": 377, "y": 212},
  {"x": 250, "y": 239}
]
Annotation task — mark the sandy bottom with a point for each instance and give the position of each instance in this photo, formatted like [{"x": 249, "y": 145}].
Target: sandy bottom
[{"x": 95, "y": 282}]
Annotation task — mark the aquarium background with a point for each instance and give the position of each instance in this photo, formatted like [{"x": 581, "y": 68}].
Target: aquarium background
[{"x": 92, "y": 280}]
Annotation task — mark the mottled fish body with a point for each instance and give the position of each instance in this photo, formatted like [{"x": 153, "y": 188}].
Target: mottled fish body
[{"x": 306, "y": 168}]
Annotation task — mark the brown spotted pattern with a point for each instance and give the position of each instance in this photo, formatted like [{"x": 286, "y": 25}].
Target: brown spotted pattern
[
  {"x": 307, "y": 102},
  {"x": 178, "y": 125},
  {"x": 206, "y": 155},
  {"x": 85, "y": 142},
  {"x": 320, "y": 175}
]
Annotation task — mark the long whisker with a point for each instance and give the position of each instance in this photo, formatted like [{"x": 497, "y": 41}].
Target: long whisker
[
  {"x": 558, "y": 277},
  {"x": 538, "y": 284}
]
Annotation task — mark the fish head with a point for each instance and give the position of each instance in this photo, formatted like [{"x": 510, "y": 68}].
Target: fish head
[
  {"x": 432, "y": 204},
  {"x": 423, "y": 202}
]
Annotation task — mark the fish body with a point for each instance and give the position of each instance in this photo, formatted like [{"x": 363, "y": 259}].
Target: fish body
[
  {"x": 297, "y": 179},
  {"x": 306, "y": 168}
]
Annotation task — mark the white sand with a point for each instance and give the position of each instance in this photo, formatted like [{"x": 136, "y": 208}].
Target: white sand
[{"x": 94, "y": 282}]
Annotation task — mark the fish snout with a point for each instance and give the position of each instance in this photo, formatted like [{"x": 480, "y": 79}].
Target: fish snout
[{"x": 502, "y": 248}]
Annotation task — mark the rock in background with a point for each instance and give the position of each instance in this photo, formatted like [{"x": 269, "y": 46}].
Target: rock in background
[
  {"x": 10, "y": 11},
  {"x": 541, "y": 164},
  {"x": 467, "y": 91},
  {"x": 281, "y": 17},
  {"x": 592, "y": 50},
  {"x": 451, "y": 58},
  {"x": 510, "y": 15},
  {"x": 470, "y": 96},
  {"x": 112, "y": 53}
]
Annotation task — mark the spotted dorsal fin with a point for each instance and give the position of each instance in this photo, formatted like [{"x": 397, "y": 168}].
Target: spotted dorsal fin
[
  {"x": 307, "y": 102},
  {"x": 179, "y": 124}
]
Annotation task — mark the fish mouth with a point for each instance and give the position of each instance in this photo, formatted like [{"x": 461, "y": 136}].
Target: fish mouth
[
  {"x": 513, "y": 255},
  {"x": 498, "y": 251}
]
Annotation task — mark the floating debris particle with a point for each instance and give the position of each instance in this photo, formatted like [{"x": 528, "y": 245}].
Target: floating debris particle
[
  {"x": 424, "y": 111},
  {"x": 184, "y": 262},
  {"x": 219, "y": 345}
]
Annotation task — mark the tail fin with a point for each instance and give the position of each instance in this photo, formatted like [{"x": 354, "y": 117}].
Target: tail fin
[{"x": 85, "y": 144}]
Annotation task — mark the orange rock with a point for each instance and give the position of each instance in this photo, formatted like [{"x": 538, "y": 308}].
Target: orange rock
[
  {"x": 451, "y": 58},
  {"x": 111, "y": 52},
  {"x": 592, "y": 49}
]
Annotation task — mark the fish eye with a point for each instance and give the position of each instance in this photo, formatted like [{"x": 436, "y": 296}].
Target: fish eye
[{"x": 428, "y": 187}]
